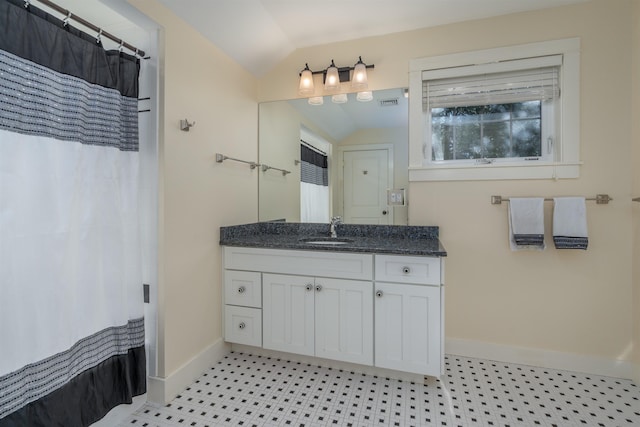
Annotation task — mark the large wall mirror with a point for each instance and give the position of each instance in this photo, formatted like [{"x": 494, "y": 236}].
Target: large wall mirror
[{"x": 347, "y": 159}]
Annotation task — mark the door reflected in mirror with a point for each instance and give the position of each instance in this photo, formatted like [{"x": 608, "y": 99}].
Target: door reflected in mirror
[{"x": 345, "y": 158}]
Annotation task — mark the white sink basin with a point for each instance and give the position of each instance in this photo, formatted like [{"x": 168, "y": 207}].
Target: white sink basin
[{"x": 327, "y": 241}]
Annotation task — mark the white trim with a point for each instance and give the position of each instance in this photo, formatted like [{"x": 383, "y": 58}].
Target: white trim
[
  {"x": 495, "y": 171},
  {"x": 164, "y": 390},
  {"x": 567, "y": 161},
  {"x": 542, "y": 358},
  {"x": 636, "y": 373}
]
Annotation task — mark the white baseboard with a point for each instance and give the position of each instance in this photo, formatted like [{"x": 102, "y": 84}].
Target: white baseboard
[
  {"x": 543, "y": 358},
  {"x": 163, "y": 390},
  {"x": 636, "y": 373}
]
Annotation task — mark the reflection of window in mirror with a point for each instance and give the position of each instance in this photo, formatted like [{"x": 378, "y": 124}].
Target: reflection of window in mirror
[{"x": 315, "y": 197}]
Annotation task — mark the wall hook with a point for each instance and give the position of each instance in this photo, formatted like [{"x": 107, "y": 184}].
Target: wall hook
[{"x": 185, "y": 125}]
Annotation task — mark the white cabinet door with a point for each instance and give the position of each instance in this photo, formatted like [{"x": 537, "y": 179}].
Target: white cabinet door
[
  {"x": 287, "y": 313},
  {"x": 344, "y": 320},
  {"x": 407, "y": 328}
]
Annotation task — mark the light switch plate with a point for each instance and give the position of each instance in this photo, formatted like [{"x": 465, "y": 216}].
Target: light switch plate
[{"x": 396, "y": 197}]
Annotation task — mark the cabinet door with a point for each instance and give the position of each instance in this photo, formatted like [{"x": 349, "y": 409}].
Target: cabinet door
[
  {"x": 287, "y": 313},
  {"x": 344, "y": 320},
  {"x": 242, "y": 288},
  {"x": 243, "y": 325},
  {"x": 407, "y": 328}
]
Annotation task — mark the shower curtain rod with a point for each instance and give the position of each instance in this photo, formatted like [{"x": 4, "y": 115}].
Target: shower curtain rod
[{"x": 87, "y": 24}]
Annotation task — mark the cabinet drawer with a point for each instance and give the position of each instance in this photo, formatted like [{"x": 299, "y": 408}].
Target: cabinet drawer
[
  {"x": 341, "y": 265},
  {"x": 242, "y": 288},
  {"x": 407, "y": 269},
  {"x": 243, "y": 325}
]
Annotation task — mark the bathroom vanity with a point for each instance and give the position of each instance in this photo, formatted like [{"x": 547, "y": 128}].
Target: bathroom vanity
[{"x": 373, "y": 296}]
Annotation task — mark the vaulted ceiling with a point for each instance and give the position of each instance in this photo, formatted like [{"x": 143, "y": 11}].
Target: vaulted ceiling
[{"x": 260, "y": 33}]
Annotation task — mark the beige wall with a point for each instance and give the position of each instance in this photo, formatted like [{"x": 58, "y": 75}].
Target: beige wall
[
  {"x": 198, "y": 195},
  {"x": 635, "y": 90},
  {"x": 572, "y": 302}
]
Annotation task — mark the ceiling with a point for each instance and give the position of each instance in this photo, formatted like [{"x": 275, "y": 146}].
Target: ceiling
[
  {"x": 260, "y": 33},
  {"x": 388, "y": 109}
]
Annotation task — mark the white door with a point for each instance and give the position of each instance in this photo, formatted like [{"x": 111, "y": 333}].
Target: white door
[
  {"x": 366, "y": 178},
  {"x": 344, "y": 320},
  {"x": 407, "y": 328},
  {"x": 287, "y": 313}
]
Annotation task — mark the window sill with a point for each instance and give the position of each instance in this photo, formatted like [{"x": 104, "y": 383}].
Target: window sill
[{"x": 495, "y": 171}]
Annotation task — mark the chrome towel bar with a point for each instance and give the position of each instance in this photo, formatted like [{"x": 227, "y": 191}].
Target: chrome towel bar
[
  {"x": 221, "y": 158},
  {"x": 600, "y": 199}
]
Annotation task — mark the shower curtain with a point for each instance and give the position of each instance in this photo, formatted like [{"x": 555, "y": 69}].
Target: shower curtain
[
  {"x": 71, "y": 309},
  {"x": 314, "y": 185}
]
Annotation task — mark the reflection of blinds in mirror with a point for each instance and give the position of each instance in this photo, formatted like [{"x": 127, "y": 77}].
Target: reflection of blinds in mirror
[{"x": 314, "y": 166}]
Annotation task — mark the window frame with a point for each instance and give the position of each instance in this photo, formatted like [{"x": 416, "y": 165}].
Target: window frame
[{"x": 566, "y": 142}]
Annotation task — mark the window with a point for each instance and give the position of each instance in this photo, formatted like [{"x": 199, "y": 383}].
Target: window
[{"x": 501, "y": 118}]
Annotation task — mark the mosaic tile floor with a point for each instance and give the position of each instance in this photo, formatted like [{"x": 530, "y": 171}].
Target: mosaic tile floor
[{"x": 247, "y": 390}]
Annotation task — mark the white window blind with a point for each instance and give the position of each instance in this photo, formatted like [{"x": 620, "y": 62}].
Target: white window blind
[{"x": 501, "y": 83}]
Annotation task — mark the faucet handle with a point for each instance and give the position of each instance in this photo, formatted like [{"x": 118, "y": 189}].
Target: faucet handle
[{"x": 336, "y": 220}]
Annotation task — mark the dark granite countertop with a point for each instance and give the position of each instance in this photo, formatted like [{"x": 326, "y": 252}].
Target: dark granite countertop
[{"x": 379, "y": 239}]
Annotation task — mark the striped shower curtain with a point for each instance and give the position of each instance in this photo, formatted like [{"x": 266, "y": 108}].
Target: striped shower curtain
[
  {"x": 314, "y": 185},
  {"x": 71, "y": 309}
]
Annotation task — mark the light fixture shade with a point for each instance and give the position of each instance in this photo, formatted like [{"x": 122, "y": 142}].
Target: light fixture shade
[
  {"x": 315, "y": 100},
  {"x": 365, "y": 96},
  {"x": 332, "y": 78},
  {"x": 306, "y": 81},
  {"x": 339, "y": 98},
  {"x": 359, "y": 78}
]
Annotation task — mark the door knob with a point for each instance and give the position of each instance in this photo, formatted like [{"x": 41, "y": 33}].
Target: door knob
[
  {"x": 384, "y": 212},
  {"x": 379, "y": 294},
  {"x": 309, "y": 286},
  {"x": 318, "y": 288},
  {"x": 242, "y": 325},
  {"x": 241, "y": 289}
]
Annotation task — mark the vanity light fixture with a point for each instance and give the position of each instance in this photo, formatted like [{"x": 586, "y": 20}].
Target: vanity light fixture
[
  {"x": 339, "y": 98},
  {"x": 333, "y": 76},
  {"x": 359, "y": 80},
  {"x": 306, "y": 81},
  {"x": 365, "y": 96}
]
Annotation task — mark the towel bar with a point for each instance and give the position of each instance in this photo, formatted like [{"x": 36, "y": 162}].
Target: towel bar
[
  {"x": 221, "y": 158},
  {"x": 600, "y": 199}
]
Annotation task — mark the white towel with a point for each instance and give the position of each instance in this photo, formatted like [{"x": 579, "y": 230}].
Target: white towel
[
  {"x": 570, "y": 223},
  {"x": 526, "y": 223}
]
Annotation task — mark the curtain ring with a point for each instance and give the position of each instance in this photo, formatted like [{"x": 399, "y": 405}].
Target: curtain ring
[
  {"x": 121, "y": 45},
  {"x": 27, "y": 3},
  {"x": 65, "y": 21},
  {"x": 99, "y": 37}
]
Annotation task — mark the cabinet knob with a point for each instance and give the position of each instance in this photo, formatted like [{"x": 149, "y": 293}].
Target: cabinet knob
[
  {"x": 318, "y": 288},
  {"x": 379, "y": 294},
  {"x": 309, "y": 286},
  {"x": 242, "y": 325},
  {"x": 406, "y": 270},
  {"x": 241, "y": 289}
]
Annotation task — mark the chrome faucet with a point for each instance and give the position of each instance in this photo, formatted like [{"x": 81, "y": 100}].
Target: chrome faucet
[{"x": 332, "y": 228}]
